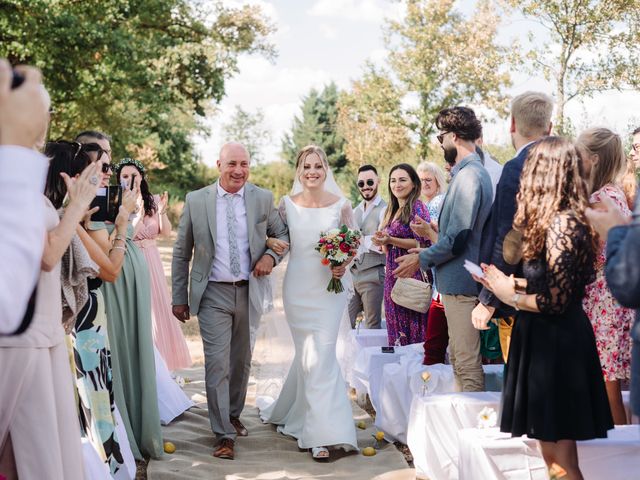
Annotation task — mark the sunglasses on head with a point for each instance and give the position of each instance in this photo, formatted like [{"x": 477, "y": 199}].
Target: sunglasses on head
[
  {"x": 94, "y": 147},
  {"x": 361, "y": 183}
]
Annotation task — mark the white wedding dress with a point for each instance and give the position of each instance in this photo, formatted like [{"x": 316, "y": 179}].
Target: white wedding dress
[{"x": 313, "y": 405}]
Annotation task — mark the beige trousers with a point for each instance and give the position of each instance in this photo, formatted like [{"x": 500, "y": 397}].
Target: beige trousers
[{"x": 464, "y": 342}]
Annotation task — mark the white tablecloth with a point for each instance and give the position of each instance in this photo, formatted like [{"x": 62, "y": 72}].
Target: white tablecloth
[
  {"x": 402, "y": 380},
  {"x": 348, "y": 348},
  {"x": 434, "y": 422},
  {"x": 367, "y": 368},
  {"x": 491, "y": 455}
]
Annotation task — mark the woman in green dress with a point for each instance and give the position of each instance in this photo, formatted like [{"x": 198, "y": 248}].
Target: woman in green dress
[{"x": 128, "y": 306}]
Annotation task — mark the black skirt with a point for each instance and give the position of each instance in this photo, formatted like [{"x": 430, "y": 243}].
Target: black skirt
[{"x": 553, "y": 387}]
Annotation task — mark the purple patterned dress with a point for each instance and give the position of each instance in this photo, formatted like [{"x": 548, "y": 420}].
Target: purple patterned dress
[{"x": 407, "y": 325}]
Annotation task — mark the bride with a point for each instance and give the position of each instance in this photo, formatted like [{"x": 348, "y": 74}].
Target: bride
[{"x": 313, "y": 405}]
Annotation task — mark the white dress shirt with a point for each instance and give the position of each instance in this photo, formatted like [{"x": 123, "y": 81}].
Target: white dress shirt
[
  {"x": 22, "y": 175},
  {"x": 494, "y": 169},
  {"x": 367, "y": 244},
  {"x": 221, "y": 269}
]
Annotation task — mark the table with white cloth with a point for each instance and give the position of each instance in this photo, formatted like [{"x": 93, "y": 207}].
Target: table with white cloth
[
  {"x": 367, "y": 368},
  {"x": 491, "y": 455},
  {"x": 353, "y": 342},
  {"x": 403, "y": 380},
  {"x": 434, "y": 422}
]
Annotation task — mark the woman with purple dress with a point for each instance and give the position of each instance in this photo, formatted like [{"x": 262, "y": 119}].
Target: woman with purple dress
[{"x": 404, "y": 326}]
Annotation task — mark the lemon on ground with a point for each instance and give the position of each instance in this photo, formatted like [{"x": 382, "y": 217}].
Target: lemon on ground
[
  {"x": 369, "y": 451},
  {"x": 379, "y": 436},
  {"x": 169, "y": 447},
  {"x": 361, "y": 425}
]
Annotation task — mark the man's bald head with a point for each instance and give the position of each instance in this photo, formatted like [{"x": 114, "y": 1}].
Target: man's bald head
[{"x": 233, "y": 165}]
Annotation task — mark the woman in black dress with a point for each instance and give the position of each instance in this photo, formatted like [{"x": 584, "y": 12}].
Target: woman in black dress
[{"x": 553, "y": 387}]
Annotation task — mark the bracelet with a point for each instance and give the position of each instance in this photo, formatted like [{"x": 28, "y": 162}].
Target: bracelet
[
  {"x": 124, "y": 249},
  {"x": 515, "y": 299},
  {"x": 118, "y": 237},
  {"x": 119, "y": 240}
]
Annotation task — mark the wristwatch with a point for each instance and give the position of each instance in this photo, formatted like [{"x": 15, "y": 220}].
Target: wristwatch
[{"x": 515, "y": 299}]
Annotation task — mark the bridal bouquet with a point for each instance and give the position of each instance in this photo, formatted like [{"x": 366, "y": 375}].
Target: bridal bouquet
[{"x": 336, "y": 247}]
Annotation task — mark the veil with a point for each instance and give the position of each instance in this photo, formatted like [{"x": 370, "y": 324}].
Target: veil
[{"x": 330, "y": 185}]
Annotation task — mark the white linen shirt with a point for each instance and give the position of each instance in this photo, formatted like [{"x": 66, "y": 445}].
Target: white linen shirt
[
  {"x": 221, "y": 269},
  {"x": 367, "y": 244},
  {"x": 22, "y": 175}
]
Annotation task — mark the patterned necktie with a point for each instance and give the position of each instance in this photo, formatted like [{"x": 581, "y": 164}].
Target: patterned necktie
[{"x": 234, "y": 253}]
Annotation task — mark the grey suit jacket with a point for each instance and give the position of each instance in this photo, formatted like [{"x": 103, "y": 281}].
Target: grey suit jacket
[{"x": 197, "y": 239}]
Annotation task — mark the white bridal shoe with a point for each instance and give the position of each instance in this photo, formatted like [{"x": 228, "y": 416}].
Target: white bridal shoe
[{"x": 320, "y": 453}]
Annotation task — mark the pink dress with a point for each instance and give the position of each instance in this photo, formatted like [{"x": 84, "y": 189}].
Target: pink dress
[
  {"x": 167, "y": 335},
  {"x": 611, "y": 322}
]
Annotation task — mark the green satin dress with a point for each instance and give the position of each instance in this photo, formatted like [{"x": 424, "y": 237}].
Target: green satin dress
[{"x": 128, "y": 306}]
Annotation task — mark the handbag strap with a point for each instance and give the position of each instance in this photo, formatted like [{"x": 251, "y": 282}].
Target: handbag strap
[{"x": 425, "y": 278}]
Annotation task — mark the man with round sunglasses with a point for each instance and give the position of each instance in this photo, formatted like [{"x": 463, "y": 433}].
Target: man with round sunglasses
[{"x": 368, "y": 268}]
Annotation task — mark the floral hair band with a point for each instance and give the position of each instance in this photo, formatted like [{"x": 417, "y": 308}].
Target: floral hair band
[{"x": 130, "y": 161}]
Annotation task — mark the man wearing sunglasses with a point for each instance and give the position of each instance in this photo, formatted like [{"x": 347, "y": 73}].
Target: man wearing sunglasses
[
  {"x": 98, "y": 146},
  {"x": 368, "y": 268}
]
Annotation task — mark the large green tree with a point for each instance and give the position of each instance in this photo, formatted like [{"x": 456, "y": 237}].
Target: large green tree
[
  {"x": 249, "y": 129},
  {"x": 444, "y": 59},
  {"x": 145, "y": 71},
  {"x": 317, "y": 125},
  {"x": 595, "y": 46},
  {"x": 372, "y": 123}
]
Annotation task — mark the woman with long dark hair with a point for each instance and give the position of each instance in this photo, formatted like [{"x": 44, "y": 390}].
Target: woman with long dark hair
[
  {"x": 151, "y": 222},
  {"x": 404, "y": 326},
  {"x": 553, "y": 386}
]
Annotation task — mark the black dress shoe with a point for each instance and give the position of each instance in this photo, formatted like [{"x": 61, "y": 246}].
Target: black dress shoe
[{"x": 240, "y": 428}]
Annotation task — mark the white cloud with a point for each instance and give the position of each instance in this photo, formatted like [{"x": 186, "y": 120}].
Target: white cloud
[
  {"x": 374, "y": 11},
  {"x": 328, "y": 31}
]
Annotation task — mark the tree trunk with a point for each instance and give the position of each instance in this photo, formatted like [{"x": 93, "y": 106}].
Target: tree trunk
[{"x": 559, "y": 127}]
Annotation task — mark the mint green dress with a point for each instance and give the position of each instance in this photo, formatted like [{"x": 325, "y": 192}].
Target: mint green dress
[{"x": 128, "y": 306}]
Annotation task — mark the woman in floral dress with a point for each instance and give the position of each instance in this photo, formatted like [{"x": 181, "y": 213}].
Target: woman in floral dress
[
  {"x": 604, "y": 161},
  {"x": 404, "y": 326}
]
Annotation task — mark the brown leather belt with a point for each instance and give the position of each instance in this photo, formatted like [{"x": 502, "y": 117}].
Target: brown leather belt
[{"x": 239, "y": 283}]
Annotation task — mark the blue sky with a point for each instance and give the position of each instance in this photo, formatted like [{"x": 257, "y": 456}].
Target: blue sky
[{"x": 323, "y": 40}]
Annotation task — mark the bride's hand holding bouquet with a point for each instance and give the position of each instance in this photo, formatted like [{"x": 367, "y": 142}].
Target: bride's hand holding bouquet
[{"x": 338, "y": 246}]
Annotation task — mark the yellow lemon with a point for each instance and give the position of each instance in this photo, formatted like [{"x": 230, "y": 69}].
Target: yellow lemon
[
  {"x": 361, "y": 425},
  {"x": 169, "y": 447},
  {"x": 379, "y": 436},
  {"x": 369, "y": 451}
]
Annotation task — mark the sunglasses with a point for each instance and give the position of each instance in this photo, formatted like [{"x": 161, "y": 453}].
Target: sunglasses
[
  {"x": 361, "y": 183},
  {"x": 440, "y": 136},
  {"x": 94, "y": 147},
  {"x": 106, "y": 167},
  {"x": 76, "y": 145}
]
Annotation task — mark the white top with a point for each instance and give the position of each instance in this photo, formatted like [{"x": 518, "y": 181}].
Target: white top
[
  {"x": 367, "y": 245},
  {"x": 22, "y": 175},
  {"x": 494, "y": 169},
  {"x": 221, "y": 270}
]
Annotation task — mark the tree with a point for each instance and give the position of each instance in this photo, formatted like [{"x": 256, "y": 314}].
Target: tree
[
  {"x": 446, "y": 60},
  {"x": 276, "y": 176},
  {"x": 371, "y": 121},
  {"x": 249, "y": 130},
  {"x": 317, "y": 126},
  {"x": 594, "y": 46},
  {"x": 145, "y": 71}
]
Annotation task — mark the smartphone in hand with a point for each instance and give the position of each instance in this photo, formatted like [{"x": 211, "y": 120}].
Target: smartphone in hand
[
  {"x": 108, "y": 199},
  {"x": 473, "y": 268}
]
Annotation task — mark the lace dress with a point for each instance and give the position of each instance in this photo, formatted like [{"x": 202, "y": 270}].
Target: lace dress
[
  {"x": 611, "y": 321},
  {"x": 553, "y": 388}
]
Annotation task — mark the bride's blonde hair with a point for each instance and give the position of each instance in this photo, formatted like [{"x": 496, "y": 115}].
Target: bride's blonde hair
[{"x": 304, "y": 153}]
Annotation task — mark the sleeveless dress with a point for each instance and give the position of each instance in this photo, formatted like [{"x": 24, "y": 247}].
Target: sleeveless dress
[
  {"x": 167, "y": 335},
  {"x": 313, "y": 405},
  {"x": 611, "y": 321},
  {"x": 128, "y": 306},
  {"x": 553, "y": 389}
]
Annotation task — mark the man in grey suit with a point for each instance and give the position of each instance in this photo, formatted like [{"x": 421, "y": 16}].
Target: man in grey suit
[
  {"x": 368, "y": 268},
  {"x": 224, "y": 228},
  {"x": 465, "y": 209}
]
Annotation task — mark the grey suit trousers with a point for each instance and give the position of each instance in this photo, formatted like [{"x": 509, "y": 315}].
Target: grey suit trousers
[
  {"x": 224, "y": 325},
  {"x": 369, "y": 293}
]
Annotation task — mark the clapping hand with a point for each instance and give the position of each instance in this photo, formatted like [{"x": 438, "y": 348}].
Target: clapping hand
[
  {"x": 380, "y": 238},
  {"x": 421, "y": 227},
  {"x": 606, "y": 217},
  {"x": 163, "y": 202},
  {"x": 497, "y": 282},
  {"x": 83, "y": 188}
]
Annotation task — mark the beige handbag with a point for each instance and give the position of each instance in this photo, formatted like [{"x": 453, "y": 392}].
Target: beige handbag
[{"x": 412, "y": 293}]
